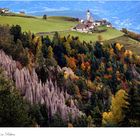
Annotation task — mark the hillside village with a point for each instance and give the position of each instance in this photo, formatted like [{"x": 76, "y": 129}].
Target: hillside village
[
  {"x": 87, "y": 25},
  {"x": 7, "y": 11},
  {"x": 90, "y": 25}
]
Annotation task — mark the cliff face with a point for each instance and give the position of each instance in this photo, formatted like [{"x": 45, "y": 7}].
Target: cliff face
[{"x": 34, "y": 91}]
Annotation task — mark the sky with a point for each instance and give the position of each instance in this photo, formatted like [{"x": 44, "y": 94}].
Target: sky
[{"x": 70, "y": 0}]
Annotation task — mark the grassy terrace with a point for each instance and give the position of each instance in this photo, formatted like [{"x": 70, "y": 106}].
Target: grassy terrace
[{"x": 56, "y": 24}]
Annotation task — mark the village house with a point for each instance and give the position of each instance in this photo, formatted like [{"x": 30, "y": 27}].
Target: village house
[
  {"x": 89, "y": 24},
  {"x": 84, "y": 27},
  {"x": 4, "y": 10}
]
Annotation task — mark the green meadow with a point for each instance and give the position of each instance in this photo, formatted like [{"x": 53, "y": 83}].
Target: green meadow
[
  {"x": 60, "y": 24},
  {"x": 38, "y": 24},
  {"x": 109, "y": 34}
]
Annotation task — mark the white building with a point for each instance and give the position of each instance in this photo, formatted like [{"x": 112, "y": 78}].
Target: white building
[
  {"x": 89, "y": 24},
  {"x": 89, "y": 17},
  {"x": 4, "y": 10}
]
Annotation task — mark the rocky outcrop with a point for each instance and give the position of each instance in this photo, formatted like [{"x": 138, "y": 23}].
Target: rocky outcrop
[{"x": 33, "y": 90}]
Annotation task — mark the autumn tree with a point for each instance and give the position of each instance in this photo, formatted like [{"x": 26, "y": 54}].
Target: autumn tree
[
  {"x": 85, "y": 66},
  {"x": 50, "y": 61},
  {"x": 50, "y": 52},
  {"x": 67, "y": 48},
  {"x": 71, "y": 62},
  {"x": 119, "y": 46},
  {"x": 90, "y": 121},
  {"x": 115, "y": 115},
  {"x": 39, "y": 54}
]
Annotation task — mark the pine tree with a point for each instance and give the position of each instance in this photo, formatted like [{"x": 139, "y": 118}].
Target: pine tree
[
  {"x": 132, "y": 108},
  {"x": 16, "y": 32},
  {"x": 13, "y": 109},
  {"x": 97, "y": 116}
]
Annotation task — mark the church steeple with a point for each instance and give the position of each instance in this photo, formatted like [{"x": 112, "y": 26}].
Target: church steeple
[{"x": 88, "y": 15}]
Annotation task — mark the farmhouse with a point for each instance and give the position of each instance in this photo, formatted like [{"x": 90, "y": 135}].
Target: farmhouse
[{"x": 89, "y": 24}]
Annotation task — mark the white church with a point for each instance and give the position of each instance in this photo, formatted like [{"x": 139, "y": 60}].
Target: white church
[{"x": 90, "y": 24}]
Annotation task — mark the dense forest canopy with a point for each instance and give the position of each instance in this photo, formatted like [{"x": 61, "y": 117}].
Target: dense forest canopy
[{"x": 65, "y": 82}]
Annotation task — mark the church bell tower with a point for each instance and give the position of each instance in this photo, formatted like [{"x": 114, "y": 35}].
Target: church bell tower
[
  {"x": 89, "y": 18},
  {"x": 88, "y": 15}
]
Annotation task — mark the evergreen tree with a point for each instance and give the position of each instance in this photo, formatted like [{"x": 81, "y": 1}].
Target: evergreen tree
[
  {"x": 97, "y": 116},
  {"x": 132, "y": 108},
  {"x": 57, "y": 121},
  {"x": 81, "y": 121},
  {"x": 39, "y": 115},
  {"x": 13, "y": 110},
  {"x": 16, "y": 32},
  {"x": 98, "y": 50},
  {"x": 45, "y": 16}
]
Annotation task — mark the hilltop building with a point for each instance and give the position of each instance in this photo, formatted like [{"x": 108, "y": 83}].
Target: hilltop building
[
  {"x": 4, "y": 10},
  {"x": 90, "y": 24},
  {"x": 89, "y": 17}
]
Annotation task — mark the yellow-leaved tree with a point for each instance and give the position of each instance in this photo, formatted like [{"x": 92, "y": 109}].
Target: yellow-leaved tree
[
  {"x": 119, "y": 46},
  {"x": 39, "y": 54},
  {"x": 50, "y": 52},
  {"x": 115, "y": 115}
]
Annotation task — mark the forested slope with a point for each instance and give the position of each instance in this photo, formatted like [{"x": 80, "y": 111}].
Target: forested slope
[{"x": 66, "y": 82}]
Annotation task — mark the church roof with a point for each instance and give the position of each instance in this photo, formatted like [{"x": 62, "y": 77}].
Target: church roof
[
  {"x": 84, "y": 25},
  {"x": 80, "y": 26}
]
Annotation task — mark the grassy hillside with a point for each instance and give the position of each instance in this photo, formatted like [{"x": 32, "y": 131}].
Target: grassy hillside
[
  {"x": 109, "y": 34},
  {"x": 37, "y": 24},
  {"x": 128, "y": 43},
  {"x": 56, "y": 24}
]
